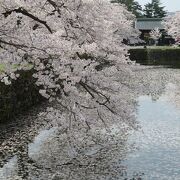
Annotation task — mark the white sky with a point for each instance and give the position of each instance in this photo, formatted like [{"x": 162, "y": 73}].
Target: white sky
[{"x": 171, "y": 5}]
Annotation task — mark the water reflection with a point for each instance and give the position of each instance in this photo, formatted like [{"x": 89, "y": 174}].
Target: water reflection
[
  {"x": 17, "y": 167},
  {"x": 121, "y": 153},
  {"x": 158, "y": 154},
  {"x": 9, "y": 170},
  {"x": 97, "y": 156},
  {"x": 44, "y": 135},
  {"x": 53, "y": 156}
]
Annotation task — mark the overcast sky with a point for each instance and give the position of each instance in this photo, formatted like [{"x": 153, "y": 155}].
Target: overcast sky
[{"x": 171, "y": 5}]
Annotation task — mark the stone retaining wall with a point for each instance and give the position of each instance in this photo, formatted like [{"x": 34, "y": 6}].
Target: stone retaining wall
[{"x": 19, "y": 96}]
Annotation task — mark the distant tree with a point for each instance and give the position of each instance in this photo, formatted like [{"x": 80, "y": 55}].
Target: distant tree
[
  {"x": 154, "y": 10},
  {"x": 132, "y": 6},
  {"x": 172, "y": 26},
  {"x": 148, "y": 10}
]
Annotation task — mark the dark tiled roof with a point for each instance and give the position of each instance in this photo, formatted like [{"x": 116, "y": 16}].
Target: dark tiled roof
[{"x": 149, "y": 23}]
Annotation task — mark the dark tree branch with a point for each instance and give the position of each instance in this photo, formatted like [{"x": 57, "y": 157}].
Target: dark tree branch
[
  {"x": 20, "y": 46},
  {"x": 26, "y": 13},
  {"x": 100, "y": 117},
  {"x": 99, "y": 93},
  {"x": 13, "y": 44},
  {"x": 84, "y": 86},
  {"x": 107, "y": 100},
  {"x": 56, "y": 7}
]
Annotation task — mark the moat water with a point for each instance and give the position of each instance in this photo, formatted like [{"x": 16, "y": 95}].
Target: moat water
[
  {"x": 151, "y": 152},
  {"x": 158, "y": 142}
]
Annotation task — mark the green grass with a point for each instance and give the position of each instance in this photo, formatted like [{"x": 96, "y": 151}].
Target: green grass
[
  {"x": 14, "y": 66},
  {"x": 163, "y": 47},
  {"x": 2, "y": 68},
  {"x": 155, "y": 47}
]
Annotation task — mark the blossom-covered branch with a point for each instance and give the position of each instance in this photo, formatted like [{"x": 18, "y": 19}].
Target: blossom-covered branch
[{"x": 77, "y": 50}]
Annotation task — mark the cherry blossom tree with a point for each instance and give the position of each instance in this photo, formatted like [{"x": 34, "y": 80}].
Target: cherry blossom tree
[
  {"x": 172, "y": 24},
  {"x": 80, "y": 63},
  {"x": 155, "y": 34},
  {"x": 76, "y": 49}
]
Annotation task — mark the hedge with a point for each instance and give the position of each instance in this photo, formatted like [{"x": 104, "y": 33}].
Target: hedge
[{"x": 156, "y": 56}]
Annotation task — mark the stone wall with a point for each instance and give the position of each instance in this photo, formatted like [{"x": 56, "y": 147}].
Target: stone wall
[{"x": 19, "y": 96}]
